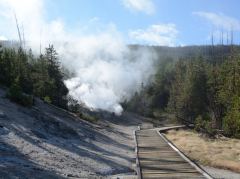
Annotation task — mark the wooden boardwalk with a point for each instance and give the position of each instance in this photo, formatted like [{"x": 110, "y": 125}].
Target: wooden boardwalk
[{"x": 157, "y": 159}]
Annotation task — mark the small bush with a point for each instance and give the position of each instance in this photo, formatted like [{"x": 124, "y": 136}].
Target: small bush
[
  {"x": 231, "y": 122},
  {"x": 26, "y": 100},
  {"x": 88, "y": 117},
  {"x": 204, "y": 125},
  {"x": 47, "y": 99},
  {"x": 73, "y": 105},
  {"x": 199, "y": 123},
  {"x": 15, "y": 94}
]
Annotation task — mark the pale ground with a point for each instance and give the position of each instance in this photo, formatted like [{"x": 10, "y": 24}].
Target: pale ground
[
  {"x": 45, "y": 142},
  {"x": 222, "y": 153}
]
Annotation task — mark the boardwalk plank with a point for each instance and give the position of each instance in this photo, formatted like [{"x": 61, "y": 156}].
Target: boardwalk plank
[{"x": 158, "y": 160}]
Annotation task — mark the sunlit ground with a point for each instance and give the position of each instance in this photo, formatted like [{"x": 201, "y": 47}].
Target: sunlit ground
[{"x": 221, "y": 153}]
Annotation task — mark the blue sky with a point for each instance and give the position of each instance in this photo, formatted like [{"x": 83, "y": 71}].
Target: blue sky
[
  {"x": 192, "y": 29},
  {"x": 154, "y": 22}
]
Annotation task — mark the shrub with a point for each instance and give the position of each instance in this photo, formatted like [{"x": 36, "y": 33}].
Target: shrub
[
  {"x": 73, "y": 104},
  {"x": 15, "y": 94},
  {"x": 204, "y": 124},
  {"x": 231, "y": 122},
  {"x": 199, "y": 123},
  {"x": 88, "y": 117},
  {"x": 26, "y": 100},
  {"x": 47, "y": 99}
]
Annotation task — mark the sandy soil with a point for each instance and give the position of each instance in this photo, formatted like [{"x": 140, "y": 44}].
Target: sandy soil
[{"x": 45, "y": 142}]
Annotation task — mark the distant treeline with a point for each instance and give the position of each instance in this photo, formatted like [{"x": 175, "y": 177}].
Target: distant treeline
[
  {"x": 203, "y": 89},
  {"x": 26, "y": 76}
]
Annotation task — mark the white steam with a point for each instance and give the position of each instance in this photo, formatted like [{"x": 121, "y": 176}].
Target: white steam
[{"x": 107, "y": 71}]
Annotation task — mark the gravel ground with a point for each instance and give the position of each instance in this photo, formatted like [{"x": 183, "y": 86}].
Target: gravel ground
[
  {"x": 220, "y": 173},
  {"x": 45, "y": 142}
]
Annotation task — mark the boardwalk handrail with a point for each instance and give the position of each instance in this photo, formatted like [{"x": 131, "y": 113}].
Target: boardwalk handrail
[
  {"x": 195, "y": 165},
  {"x": 186, "y": 122},
  {"x": 138, "y": 168}
]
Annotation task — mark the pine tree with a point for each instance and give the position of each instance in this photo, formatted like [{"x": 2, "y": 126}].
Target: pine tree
[{"x": 59, "y": 91}]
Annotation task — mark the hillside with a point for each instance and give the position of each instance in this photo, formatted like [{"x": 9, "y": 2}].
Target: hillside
[
  {"x": 47, "y": 142},
  {"x": 206, "y": 51}
]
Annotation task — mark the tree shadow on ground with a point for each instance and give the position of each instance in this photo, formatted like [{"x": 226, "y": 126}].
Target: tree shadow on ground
[{"x": 77, "y": 137}]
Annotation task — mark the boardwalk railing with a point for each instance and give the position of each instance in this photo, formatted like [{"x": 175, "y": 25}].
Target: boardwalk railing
[
  {"x": 156, "y": 157},
  {"x": 138, "y": 168},
  {"x": 195, "y": 165}
]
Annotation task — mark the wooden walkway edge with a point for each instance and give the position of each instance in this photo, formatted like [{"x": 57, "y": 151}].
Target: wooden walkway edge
[{"x": 157, "y": 157}]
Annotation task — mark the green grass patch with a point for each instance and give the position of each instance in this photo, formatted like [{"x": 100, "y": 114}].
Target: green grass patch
[{"x": 88, "y": 117}]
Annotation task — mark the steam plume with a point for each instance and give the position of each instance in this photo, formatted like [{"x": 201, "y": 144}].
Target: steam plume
[{"x": 107, "y": 71}]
